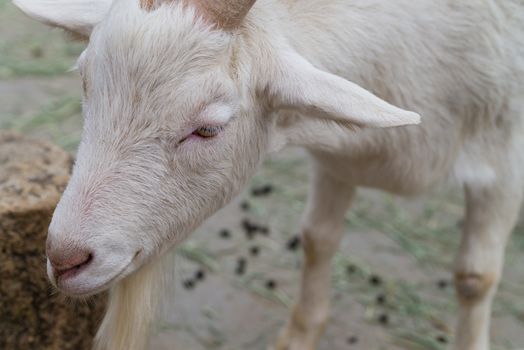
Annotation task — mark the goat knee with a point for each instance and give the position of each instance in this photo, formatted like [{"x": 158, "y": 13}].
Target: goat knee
[
  {"x": 474, "y": 287},
  {"x": 320, "y": 242}
]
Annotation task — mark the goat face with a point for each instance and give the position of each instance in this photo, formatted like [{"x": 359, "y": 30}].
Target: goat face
[
  {"x": 178, "y": 112},
  {"x": 170, "y": 136}
]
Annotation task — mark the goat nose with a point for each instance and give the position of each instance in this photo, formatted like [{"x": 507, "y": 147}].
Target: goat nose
[{"x": 68, "y": 261}]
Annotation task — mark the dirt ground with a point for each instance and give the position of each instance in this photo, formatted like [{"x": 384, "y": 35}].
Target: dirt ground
[{"x": 393, "y": 265}]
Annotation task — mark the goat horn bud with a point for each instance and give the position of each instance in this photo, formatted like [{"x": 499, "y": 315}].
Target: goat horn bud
[{"x": 228, "y": 14}]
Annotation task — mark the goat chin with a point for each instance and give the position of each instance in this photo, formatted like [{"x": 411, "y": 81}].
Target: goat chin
[{"x": 132, "y": 307}]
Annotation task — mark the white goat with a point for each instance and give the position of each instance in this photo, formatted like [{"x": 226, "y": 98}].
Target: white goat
[{"x": 183, "y": 99}]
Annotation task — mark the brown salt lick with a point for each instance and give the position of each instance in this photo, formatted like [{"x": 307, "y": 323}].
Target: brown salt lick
[{"x": 33, "y": 175}]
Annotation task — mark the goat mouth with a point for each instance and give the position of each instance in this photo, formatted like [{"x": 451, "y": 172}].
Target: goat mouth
[
  {"x": 87, "y": 291},
  {"x": 68, "y": 273}
]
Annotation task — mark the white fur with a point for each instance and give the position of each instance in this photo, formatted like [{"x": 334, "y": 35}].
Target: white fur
[
  {"x": 218, "y": 113},
  {"x": 304, "y": 87},
  {"x": 305, "y": 73},
  {"x": 77, "y": 16}
]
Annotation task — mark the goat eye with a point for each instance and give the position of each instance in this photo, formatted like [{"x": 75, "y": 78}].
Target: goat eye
[{"x": 208, "y": 131}]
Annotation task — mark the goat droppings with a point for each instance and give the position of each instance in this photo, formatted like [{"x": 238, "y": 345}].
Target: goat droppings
[
  {"x": 249, "y": 228},
  {"x": 225, "y": 234},
  {"x": 442, "y": 339},
  {"x": 241, "y": 266},
  {"x": 271, "y": 284},
  {"x": 294, "y": 243},
  {"x": 375, "y": 280},
  {"x": 351, "y": 269},
  {"x": 245, "y": 206},
  {"x": 200, "y": 275},
  {"x": 254, "y": 251},
  {"x": 262, "y": 190},
  {"x": 383, "y": 319},
  {"x": 352, "y": 340},
  {"x": 442, "y": 284},
  {"x": 264, "y": 230},
  {"x": 189, "y": 284}
]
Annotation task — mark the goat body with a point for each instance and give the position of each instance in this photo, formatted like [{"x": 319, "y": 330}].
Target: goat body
[{"x": 460, "y": 65}]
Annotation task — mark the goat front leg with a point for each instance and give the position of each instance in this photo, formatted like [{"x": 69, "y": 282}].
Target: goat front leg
[
  {"x": 322, "y": 230},
  {"x": 491, "y": 214}
]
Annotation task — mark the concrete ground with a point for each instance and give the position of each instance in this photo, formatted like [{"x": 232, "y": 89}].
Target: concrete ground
[{"x": 408, "y": 244}]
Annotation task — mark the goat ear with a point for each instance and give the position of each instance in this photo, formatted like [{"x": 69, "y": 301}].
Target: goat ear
[
  {"x": 297, "y": 84},
  {"x": 76, "y": 16}
]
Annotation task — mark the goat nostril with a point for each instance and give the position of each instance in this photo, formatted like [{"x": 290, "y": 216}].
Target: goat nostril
[{"x": 70, "y": 265}]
